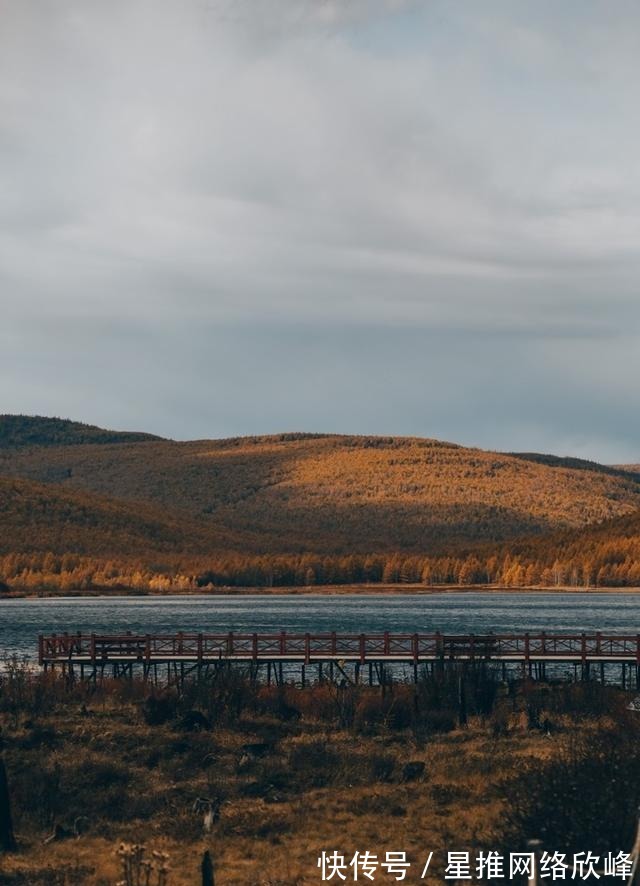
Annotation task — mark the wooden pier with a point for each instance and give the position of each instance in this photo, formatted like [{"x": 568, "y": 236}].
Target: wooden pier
[{"x": 609, "y": 657}]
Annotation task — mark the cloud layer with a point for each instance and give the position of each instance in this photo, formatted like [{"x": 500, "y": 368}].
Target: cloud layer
[{"x": 223, "y": 217}]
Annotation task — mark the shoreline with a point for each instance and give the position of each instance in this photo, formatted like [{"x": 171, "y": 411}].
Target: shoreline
[{"x": 318, "y": 590}]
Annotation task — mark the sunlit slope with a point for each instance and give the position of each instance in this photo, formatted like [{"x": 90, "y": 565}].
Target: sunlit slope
[
  {"x": 606, "y": 554},
  {"x": 338, "y": 494}
]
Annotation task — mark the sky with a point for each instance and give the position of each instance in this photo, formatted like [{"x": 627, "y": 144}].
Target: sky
[{"x": 226, "y": 217}]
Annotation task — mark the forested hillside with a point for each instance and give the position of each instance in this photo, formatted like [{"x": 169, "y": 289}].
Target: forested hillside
[
  {"x": 304, "y": 509},
  {"x": 42, "y": 518},
  {"x": 17, "y": 431},
  {"x": 604, "y": 555},
  {"x": 341, "y": 495}
]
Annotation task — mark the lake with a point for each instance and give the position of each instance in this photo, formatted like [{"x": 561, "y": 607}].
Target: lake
[{"x": 21, "y": 620}]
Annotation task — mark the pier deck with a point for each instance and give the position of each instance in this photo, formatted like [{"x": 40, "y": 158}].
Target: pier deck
[
  {"x": 529, "y": 652},
  {"x": 596, "y": 647}
]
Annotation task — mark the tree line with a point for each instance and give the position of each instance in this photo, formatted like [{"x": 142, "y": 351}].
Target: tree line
[{"x": 606, "y": 565}]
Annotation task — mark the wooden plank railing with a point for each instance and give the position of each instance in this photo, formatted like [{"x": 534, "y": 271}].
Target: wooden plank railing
[{"x": 413, "y": 647}]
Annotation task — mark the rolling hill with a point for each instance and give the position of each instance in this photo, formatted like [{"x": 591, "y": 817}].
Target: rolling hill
[
  {"x": 307, "y": 508},
  {"x": 41, "y": 518},
  {"x": 603, "y": 555},
  {"x": 17, "y": 431},
  {"x": 333, "y": 494}
]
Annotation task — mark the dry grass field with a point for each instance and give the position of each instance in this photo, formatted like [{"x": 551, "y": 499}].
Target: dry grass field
[{"x": 293, "y": 772}]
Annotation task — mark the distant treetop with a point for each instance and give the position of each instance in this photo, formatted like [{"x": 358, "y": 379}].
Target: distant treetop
[
  {"x": 17, "y": 431},
  {"x": 576, "y": 464}
]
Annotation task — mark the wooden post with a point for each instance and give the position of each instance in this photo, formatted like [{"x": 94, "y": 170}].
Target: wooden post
[
  {"x": 7, "y": 840},
  {"x": 534, "y": 847},
  {"x": 462, "y": 700},
  {"x": 634, "y": 879},
  {"x": 207, "y": 870},
  {"x": 200, "y": 649}
]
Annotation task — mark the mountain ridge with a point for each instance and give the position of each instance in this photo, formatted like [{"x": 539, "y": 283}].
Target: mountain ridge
[{"x": 18, "y": 431}]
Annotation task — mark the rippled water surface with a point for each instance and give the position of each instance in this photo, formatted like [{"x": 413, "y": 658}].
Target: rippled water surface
[{"x": 22, "y": 620}]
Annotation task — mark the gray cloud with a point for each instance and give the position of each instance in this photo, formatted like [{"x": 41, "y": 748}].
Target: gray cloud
[{"x": 221, "y": 217}]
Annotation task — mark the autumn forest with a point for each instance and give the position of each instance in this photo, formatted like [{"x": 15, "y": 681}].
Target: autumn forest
[{"x": 84, "y": 509}]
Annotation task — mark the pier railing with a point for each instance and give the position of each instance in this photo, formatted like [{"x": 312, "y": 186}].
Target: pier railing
[{"x": 584, "y": 647}]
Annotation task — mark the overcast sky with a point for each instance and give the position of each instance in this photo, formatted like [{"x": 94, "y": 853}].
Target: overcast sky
[{"x": 223, "y": 217}]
